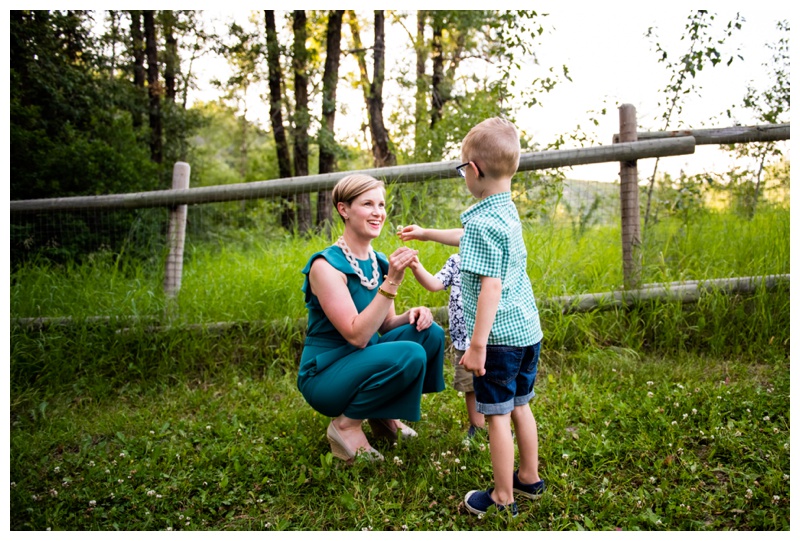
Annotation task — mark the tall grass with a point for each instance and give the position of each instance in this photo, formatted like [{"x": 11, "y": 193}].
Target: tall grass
[{"x": 259, "y": 279}]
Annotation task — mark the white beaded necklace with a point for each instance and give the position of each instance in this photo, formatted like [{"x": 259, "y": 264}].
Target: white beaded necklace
[{"x": 369, "y": 284}]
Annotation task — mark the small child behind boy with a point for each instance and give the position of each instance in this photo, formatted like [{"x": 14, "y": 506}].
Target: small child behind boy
[{"x": 449, "y": 276}]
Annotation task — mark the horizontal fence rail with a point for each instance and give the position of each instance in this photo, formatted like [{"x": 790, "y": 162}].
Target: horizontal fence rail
[
  {"x": 721, "y": 136},
  {"x": 397, "y": 174}
]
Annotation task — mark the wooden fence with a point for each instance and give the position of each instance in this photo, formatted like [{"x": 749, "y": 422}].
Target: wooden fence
[{"x": 628, "y": 147}]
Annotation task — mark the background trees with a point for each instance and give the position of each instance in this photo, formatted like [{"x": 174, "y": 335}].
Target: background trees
[{"x": 99, "y": 100}]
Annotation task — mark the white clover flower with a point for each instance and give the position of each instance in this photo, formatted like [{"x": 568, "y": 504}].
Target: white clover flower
[
  {"x": 649, "y": 383},
  {"x": 775, "y": 430},
  {"x": 685, "y": 415},
  {"x": 565, "y": 456},
  {"x": 748, "y": 494},
  {"x": 649, "y": 394},
  {"x": 151, "y": 492},
  {"x": 766, "y": 417},
  {"x": 56, "y": 469},
  {"x": 776, "y": 498},
  {"x": 785, "y": 476},
  {"x": 152, "y": 432},
  {"x": 653, "y": 480},
  {"x": 457, "y": 461},
  {"x": 694, "y": 411},
  {"x": 738, "y": 434},
  {"x": 679, "y": 386},
  {"x": 208, "y": 427},
  {"x": 676, "y": 404},
  {"x": 564, "y": 475},
  {"x": 674, "y": 422}
]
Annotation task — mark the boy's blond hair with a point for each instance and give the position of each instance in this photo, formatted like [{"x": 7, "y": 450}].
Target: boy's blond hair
[
  {"x": 494, "y": 146},
  {"x": 351, "y": 186}
]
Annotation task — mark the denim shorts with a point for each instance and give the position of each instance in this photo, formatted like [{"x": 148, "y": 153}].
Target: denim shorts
[{"x": 508, "y": 382}]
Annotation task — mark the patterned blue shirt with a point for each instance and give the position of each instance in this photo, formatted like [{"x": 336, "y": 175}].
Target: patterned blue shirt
[
  {"x": 450, "y": 276},
  {"x": 492, "y": 246}
]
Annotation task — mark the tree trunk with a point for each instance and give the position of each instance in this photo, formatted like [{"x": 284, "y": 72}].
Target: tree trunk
[
  {"x": 154, "y": 87},
  {"x": 276, "y": 116},
  {"x": 137, "y": 45},
  {"x": 170, "y": 55},
  {"x": 327, "y": 138},
  {"x": 438, "y": 71},
  {"x": 301, "y": 119},
  {"x": 420, "y": 110},
  {"x": 380, "y": 137}
]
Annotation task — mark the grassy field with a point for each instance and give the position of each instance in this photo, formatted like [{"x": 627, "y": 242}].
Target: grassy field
[{"x": 658, "y": 417}]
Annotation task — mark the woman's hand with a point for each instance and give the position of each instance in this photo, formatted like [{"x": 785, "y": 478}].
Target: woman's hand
[
  {"x": 399, "y": 261},
  {"x": 422, "y": 316}
]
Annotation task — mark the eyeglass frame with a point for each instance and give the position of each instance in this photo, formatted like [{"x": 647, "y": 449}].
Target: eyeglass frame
[{"x": 463, "y": 174}]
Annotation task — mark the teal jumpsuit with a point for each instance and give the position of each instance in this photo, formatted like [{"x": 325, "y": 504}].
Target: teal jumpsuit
[{"x": 384, "y": 380}]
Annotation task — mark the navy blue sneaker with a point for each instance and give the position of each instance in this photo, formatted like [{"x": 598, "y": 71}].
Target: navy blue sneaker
[
  {"x": 532, "y": 490},
  {"x": 479, "y": 501}
]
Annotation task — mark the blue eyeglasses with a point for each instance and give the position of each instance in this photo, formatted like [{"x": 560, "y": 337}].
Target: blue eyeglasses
[{"x": 463, "y": 174}]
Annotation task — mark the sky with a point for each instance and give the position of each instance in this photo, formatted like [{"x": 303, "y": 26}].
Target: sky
[{"x": 610, "y": 61}]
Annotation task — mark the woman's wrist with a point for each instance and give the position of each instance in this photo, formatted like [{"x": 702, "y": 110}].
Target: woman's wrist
[{"x": 391, "y": 282}]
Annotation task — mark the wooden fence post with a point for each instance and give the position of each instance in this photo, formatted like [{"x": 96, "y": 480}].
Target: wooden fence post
[
  {"x": 176, "y": 233},
  {"x": 629, "y": 202}
]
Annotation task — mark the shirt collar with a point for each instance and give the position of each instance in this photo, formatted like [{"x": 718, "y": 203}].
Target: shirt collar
[{"x": 495, "y": 201}]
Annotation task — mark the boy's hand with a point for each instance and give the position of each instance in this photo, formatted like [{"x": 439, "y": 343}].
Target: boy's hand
[
  {"x": 411, "y": 232},
  {"x": 474, "y": 360}
]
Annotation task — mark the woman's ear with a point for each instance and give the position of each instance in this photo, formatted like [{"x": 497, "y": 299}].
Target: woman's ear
[{"x": 342, "y": 208}]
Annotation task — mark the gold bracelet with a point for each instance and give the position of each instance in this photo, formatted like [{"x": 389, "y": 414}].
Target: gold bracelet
[
  {"x": 386, "y": 294},
  {"x": 386, "y": 277}
]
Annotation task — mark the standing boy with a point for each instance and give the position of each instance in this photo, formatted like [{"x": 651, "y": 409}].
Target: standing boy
[{"x": 500, "y": 311}]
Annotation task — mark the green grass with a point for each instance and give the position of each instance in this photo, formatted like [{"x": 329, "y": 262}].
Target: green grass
[
  {"x": 627, "y": 442},
  {"x": 657, "y": 417}
]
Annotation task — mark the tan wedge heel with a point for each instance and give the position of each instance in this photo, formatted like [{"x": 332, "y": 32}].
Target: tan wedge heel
[{"x": 340, "y": 450}]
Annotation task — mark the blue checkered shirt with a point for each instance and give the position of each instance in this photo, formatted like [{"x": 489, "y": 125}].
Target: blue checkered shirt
[{"x": 492, "y": 246}]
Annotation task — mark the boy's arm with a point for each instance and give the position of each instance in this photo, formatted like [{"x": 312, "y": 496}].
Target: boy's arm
[
  {"x": 449, "y": 237},
  {"x": 474, "y": 358},
  {"x": 425, "y": 278}
]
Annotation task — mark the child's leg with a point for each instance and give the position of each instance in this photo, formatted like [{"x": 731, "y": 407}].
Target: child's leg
[
  {"x": 528, "y": 443},
  {"x": 501, "y": 446},
  {"x": 475, "y": 418},
  {"x": 462, "y": 381}
]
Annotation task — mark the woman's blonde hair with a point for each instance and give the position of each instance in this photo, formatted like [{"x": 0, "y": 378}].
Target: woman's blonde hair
[
  {"x": 494, "y": 146},
  {"x": 351, "y": 186}
]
